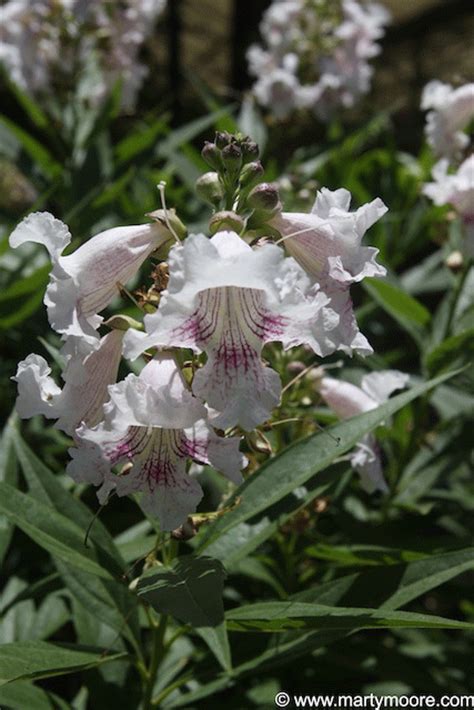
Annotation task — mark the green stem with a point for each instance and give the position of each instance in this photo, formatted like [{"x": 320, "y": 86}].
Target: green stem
[{"x": 157, "y": 654}]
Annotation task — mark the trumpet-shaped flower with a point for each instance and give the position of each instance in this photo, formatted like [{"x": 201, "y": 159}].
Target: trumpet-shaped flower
[
  {"x": 451, "y": 111},
  {"x": 347, "y": 400},
  {"x": 456, "y": 189},
  {"x": 85, "y": 388},
  {"x": 228, "y": 300},
  {"x": 83, "y": 283},
  {"x": 153, "y": 424},
  {"x": 327, "y": 244}
]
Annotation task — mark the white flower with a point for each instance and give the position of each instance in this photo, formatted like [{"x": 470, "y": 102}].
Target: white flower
[
  {"x": 327, "y": 244},
  {"x": 330, "y": 44},
  {"x": 450, "y": 114},
  {"x": 154, "y": 424},
  {"x": 86, "y": 380},
  {"x": 456, "y": 189},
  {"x": 83, "y": 283},
  {"x": 46, "y": 45},
  {"x": 228, "y": 300},
  {"x": 347, "y": 400}
]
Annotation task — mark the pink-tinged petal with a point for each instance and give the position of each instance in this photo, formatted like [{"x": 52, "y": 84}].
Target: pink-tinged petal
[
  {"x": 83, "y": 283},
  {"x": 204, "y": 446},
  {"x": 42, "y": 228},
  {"x": 327, "y": 242},
  {"x": 83, "y": 401},
  {"x": 366, "y": 461},
  {"x": 380, "y": 385},
  {"x": 451, "y": 112},
  {"x": 159, "y": 474},
  {"x": 231, "y": 325},
  {"x": 37, "y": 391},
  {"x": 344, "y": 398},
  {"x": 346, "y": 334}
]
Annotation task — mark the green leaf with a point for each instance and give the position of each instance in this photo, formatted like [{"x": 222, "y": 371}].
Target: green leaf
[
  {"x": 282, "y": 616},
  {"x": 390, "y": 588},
  {"x": 52, "y": 531},
  {"x": 109, "y": 599},
  {"x": 20, "y": 695},
  {"x": 39, "y": 659},
  {"x": 409, "y": 313},
  {"x": 8, "y": 474},
  {"x": 456, "y": 350},
  {"x": 37, "y": 152},
  {"x": 191, "y": 591},
  {"x": 44, "y": 486},
  {"x": 252, "y": 519}
]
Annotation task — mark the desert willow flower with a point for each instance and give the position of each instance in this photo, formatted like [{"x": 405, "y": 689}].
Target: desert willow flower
[
  {"x": 347, "y": 400},
  {"x": 456, "y": 189},
  {"x": 154, "y": 425},
  {"x": 83, "y": 283},
  {"x": 315, "y": 54},
  {"x": 86, "y": 380},
  {"x": 327, "y": 243},
  {"x": 228, "y": 300},
  {"x": 450, "y": 111}
]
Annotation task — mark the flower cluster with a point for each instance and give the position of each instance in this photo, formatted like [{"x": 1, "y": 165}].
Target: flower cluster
[
  {"x": 45, "y": 43},
  {"x": 451, "y": 111},
  {"x": 316, "y": 54},
  {"x": 263, "y": 276}
]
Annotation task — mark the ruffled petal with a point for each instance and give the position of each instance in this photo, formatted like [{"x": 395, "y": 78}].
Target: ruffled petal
[
  {"x": 380, "y": 385},
  {"x": 366, "y": 461},
  {"x": 37, "y": 391},
  {"x": 344, "y": 398},
  {"x": 42, "y": 228}
]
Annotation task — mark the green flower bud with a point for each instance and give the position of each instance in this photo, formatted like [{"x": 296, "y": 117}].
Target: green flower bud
[
  {"x": 250, "y": 150},
  {"x": 209, "y": 188},
  {"x": 264, "y": 197},
  {"x": 212, "y": 155},
  {"x": 251, "y": 173},
  {"x": 232, "y": 158},
  {"x": 122, "y": 322},
  {"x": 170, "y": 218},
  {"x": 222, "y": 139},
  {"x": 226, "y": 221}
]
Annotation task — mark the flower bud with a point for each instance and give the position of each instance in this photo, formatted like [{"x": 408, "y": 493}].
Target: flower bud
[
  {"x": 222, "y": 139},
  {"x": 250, "y": 150},
  {"x": 212, "y": 155},
  {"x": 264, "y": 197},
  {"x": 122, "y": 322},
  {"x": 226, "y": 220},
  {"x": 232, "y": 158},
  {"x": 169, "y": 218},
  {"x": 251, "y": 173},
  {"x": 209, "y": 188}
]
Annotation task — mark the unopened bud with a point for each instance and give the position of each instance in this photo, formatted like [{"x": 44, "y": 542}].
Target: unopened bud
[
  {"x": 122, "y": 322},
  {"x": 224, "y": 221},
  {"x": 232, "y": 158},
  {"x": 212, "y": 155},
  {"x": 264, "y": 197},
  {"x": 169, "y": 217},
  {"x": 251, "y": 173},
  {"x": 250, "y": 150},
  {"x": 455, "y": 261},
  {"x": 222, "y": 139},
  {"x": 209, "y": 188}
]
